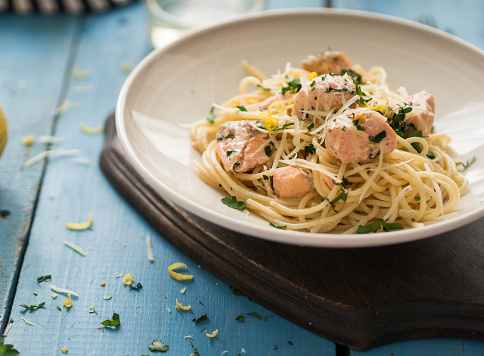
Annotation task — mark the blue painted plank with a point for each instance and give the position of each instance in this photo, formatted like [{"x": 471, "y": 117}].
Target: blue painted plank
[
  {"x": 116, "y": 243},
  {"x": 32, "y": 64}
]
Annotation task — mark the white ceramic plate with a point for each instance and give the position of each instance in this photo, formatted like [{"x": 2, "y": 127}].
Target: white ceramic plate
[{"x": 177, "y": 85}]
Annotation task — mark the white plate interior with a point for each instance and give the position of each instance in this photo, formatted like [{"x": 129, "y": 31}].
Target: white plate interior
[{"x": 175, "y": 86}]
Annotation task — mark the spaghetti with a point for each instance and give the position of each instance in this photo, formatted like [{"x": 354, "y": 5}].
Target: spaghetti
[{"x": 297, "y": 148}]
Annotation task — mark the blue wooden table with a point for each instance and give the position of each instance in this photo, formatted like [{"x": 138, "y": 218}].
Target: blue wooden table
[{"x": 60, "y": 72}]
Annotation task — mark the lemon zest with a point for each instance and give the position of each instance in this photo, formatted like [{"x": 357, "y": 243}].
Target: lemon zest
[
  {"x": 128, "y": 278},
  {"x": 215, "y": 332},
  {"x": 64, "y": 350},
  {"x": 92, "y": 130},
  {"x": 271, "y": 123},
  {"x": 176, "y": 275},
  {"x": 54, "y": 295},
  {"x": 273, "y": 105},
  {"x": 312, "y": 75},
  {"x": 68, "y": 302},
  {"x": 80, "y": 226},
  {"x": 179, "y": 306},
  {"x": 28, "y": 140}
]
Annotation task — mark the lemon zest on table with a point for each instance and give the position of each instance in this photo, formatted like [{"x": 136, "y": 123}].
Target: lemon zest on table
[
  {"x": 54, "y": 295},
  {"x": 68, "y": 302},
  {"x": 176, "y": 275},
  {"x": 213, "y": 334},
  {"x": 80, "y": 226},
  {"x": 128, "y": 278},
  {"x": 64, "y": 350},
  {"x": 28, "y": 140},
  {"x": 179, "y": 306},
  {"x": 92, "y": 130}
]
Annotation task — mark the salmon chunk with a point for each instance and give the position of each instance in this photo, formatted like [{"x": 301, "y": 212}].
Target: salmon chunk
[
  {"x": 291, "y": 182},
  {"x": 324, "y": 93},
  {"x": 359, "y": 141},
  {"x": 327, "y": 62},
  {"x": 240, "y": 146},
  {"x": 419, "y": 112}
]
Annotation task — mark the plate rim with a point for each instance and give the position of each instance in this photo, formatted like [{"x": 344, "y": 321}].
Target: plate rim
[{"x": 330, "y": 240}]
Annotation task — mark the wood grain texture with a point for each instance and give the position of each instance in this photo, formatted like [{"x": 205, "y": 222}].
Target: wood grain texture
[
  {"x": 116, "y": 243},
  {"x": 28, "y": 47}
]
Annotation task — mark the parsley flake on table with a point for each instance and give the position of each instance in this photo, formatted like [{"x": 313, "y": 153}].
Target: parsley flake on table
[
  {"x": 195, "y": 350},
  {"x": 157, "y": 345},
  {"x": 241, "y": 318},
  {"x": 233, "y": 203},
  {"x": 43, "y": 278},
  {"x": 32, "y": 307},
  {"x": 200, "y": 318},
  {"x": 115, "y": 322},
  {"x": 6, "y": 349}
]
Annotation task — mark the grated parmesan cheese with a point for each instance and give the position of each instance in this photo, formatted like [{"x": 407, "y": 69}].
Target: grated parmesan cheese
[
  {"x": 75, "y": 248},
  {"x": 63, "y": 291}
]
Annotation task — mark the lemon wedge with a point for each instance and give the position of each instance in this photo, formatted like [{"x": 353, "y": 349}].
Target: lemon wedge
[{"x": 3, "y": 131}]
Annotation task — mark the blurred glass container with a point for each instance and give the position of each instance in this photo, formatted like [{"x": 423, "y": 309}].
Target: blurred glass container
[{"x": 169, "y": 19}]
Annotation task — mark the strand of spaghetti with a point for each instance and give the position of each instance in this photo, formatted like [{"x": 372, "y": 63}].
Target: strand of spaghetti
[
  {"x": 392, "y": 213},
  {"x": 252, "y": 70}
]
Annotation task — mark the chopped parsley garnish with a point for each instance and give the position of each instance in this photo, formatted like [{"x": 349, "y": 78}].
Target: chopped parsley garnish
[
  {"x": 417, "y": 198},
  {"x": 241, "y": 318},
  {"x": 235, "y": 165},
  {"x": 265, "y": 177},
  {"x": 157, "y": 345},
  {"x": 200, "y": 318},
  {"x": 282, "y": 227},
  {"x": 310, "y": 149},
  {"x": 43, "y": 278},
  {"x": 260, "y": 86},
  {"x": 292, "y": 87},
  {"x": 378, "y": 137},
  {"x": 397, "y": 121},
  {"x": 229, "y": 153},
  {"x": 211, "y": 116},
  {"x": 312, "y": 83},
  {"x": 32, "y": 307},
  {"x": 356, "y": 77},
  {"x": 361, "y": 93},
  {"x": 430, "y": 155},
  {"x": 468, "y": 163},
  {"x": 233, "y": 203},
  {"x": 221, "y": 137},
  {"x": 377, "y": 225},
  {"x": 115, "y": 322},
  {"x": 310, "y": 126},
  {"x": 283, "y": 126},
  {"x": 290, "y": 343},
  {"x": 274, "y": 348},
  {"x": 342, "y": 196},
  {"x": 267, "y": 151},
  {"x": 241, "y": 108},
  {"x": 358, "y": 126},
  {"x": 345, "y": 181},
  {"x": 7, "y": 349}
]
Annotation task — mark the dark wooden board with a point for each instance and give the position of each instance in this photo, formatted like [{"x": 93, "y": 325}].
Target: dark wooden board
[{"x": 360, "y": 298}]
